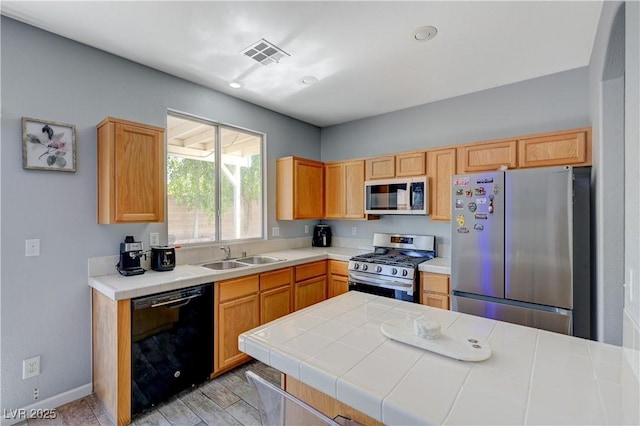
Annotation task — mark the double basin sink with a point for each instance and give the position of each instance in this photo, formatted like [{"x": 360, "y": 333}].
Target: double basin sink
[{"x": 222, "y": 265}]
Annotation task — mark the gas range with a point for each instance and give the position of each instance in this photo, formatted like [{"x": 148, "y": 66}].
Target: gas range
[{"x": 392, "y": 268}]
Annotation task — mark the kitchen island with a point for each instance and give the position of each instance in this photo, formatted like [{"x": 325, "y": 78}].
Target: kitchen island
[{"x": 533, "y": 376}]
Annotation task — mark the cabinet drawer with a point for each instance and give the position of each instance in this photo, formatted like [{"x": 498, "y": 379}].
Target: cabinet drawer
[
  {"x": 338, "y": 267},
  {"x": 435, "y": 300},
  {"x": 311, "y": 270},
  {"x": 437, "y": 283},
  {"x": 274, "y": 279},
  {"x": 232, "y": 289}
]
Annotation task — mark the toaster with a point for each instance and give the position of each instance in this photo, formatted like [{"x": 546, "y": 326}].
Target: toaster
[{"x": 163, "y": 258}]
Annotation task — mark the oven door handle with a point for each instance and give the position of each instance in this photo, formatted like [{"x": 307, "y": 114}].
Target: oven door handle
[{"x": 395, "y": 285}]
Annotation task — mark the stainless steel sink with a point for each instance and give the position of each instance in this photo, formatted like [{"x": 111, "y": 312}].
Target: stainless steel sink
[
  {"x": 258, "y": 260},
  {"x": 225, "y": 264}
]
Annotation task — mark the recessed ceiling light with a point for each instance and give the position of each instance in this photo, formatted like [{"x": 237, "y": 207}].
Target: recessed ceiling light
[
  {"x": 236, "y": 85},
  {"x": 309, "y": 80},
  {"x": 424, "y": 33}
]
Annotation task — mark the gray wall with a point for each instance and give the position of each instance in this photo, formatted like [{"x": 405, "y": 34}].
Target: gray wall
[
  {"x": 554, "y": 102},
  {"x": 45, "y": 300}
]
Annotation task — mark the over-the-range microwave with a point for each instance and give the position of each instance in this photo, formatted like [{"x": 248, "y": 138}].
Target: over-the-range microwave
[{"x": 397, "y": 196}]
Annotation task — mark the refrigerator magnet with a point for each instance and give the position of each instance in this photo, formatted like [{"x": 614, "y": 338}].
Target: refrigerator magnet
[
  {"x": 460, "y": 220},
  {"x": 461, "y": 181},
  {"x": 473, "y": 207},
  {"x": 481, "y": 201},
  {"x": 468, "y": 193},
  {"x": 496, "y": 189},
  {"x": 480, "y": 191},
  {"x": 485, "y": 180},
  {"x": 459, "y": 204},
  {"x": 481, "y": 216},
  {"x": 463, "y": 230},
  {"x": 459, "y": 191},
  {"x": 478, "y": 227}
]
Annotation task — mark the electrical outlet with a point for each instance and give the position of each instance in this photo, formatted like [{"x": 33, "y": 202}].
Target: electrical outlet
[
  {"x": 306, "y": 229},
  {"x": 275, "y": 231},
  {"x": 36, "y": 394},
  {"x": 32, "y": 247},
  {"x": 154, "y": 239},
  {"x": 353, "y": 230},
  {"x": 30, "y": 367}
]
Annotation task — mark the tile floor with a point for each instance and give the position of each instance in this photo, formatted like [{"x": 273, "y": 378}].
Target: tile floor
[{"x": 225, "y": 400}]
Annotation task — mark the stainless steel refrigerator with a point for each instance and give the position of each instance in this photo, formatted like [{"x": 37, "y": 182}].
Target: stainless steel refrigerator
[{"x": 521, "y": 248}]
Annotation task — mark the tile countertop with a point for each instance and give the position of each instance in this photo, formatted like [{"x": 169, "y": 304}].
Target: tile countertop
[
  {"x": 118, "y": 287},
  {"x": 532, "y": 377},
  {"x": 438, "y": 265}
]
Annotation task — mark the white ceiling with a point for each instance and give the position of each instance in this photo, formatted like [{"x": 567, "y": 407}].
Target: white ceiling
[{"x": 362, "y": 52}]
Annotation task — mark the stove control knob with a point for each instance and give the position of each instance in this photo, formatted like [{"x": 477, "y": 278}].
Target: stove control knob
[
  {"x": 356, "y": 266},
  {"x": 365, "y": 267},
  {"x": 394, "y": 271},
  {"x": 378, "y": 268},
  {"x": 404, "y": 272}
]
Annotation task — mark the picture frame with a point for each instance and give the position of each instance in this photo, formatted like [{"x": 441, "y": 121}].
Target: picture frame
[{"x": 48, "y": 145}]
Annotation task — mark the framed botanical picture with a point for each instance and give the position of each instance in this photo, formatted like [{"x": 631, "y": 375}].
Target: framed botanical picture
[{"x": 47, "y": 145}]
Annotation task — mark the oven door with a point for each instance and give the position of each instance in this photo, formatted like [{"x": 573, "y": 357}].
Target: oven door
[{"x": 383, "y": 287}]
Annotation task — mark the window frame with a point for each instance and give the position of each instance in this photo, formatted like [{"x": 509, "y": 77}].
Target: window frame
[{"x": 218, "y": 193}]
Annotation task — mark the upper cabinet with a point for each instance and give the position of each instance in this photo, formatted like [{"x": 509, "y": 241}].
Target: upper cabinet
[
  {"x": 344, "y": 190},
  {"x": 489, "y": 156},
  {"x": 556, "y": 149},
  {"x": 441, "y": 166},
  {"x": 131, "y": 172},
  {"x": 299, "y": 189},
  {"x": 390, "y": 166}
]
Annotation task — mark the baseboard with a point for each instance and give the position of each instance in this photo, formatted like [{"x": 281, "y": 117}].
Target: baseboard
[{"x": 47, "y": 404}]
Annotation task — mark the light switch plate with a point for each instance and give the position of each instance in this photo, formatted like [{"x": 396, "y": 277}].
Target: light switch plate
[{"x": 32, "y": 247}]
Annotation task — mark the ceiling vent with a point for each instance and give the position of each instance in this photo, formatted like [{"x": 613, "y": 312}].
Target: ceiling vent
[{"x": 264, "y": 52}]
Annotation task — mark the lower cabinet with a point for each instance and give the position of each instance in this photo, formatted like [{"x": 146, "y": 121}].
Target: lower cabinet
[
  {"x": 338, "y": 278},
  {"x": 275, "y": 294},
  {"x": 310, "y": 284},
  {"x": 236, "y": 310},
  {"x": 435, "y": 290}
]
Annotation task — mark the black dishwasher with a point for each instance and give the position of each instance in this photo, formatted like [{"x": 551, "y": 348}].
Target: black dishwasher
[{"x": 171, "y": 344}]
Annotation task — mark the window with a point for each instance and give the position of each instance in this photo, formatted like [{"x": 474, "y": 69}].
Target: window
[{"x": 214, "y": 181}]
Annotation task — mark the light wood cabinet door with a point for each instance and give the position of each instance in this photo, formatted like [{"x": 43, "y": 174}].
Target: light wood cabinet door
[
  {"x": 310, "y": 292},
  {"x": 436, "y": 300},
  {"x": 130, "y": 172},
  {"x": 410, "y": 164},
  {"x": 435, "y": 290},
  {"x": 556, "y": 149},
  {"x": 275, "y": 303},
  {"x": 334, "y": 190},
  {"x": 485, "y": 157},
  {"x": 338, "y": 284},
  {"x": 441, "y": 166},
  {"x": 354, "y": 189},
  {"x": 380, "y": 167},
  {"x": 234, "y": 318},
  {"x": 275, "y": 294},
  {"x": 299, "y": 189}
]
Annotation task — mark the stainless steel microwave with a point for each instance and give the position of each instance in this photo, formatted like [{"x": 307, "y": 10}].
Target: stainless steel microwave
[{"x": 397, "y": 196}]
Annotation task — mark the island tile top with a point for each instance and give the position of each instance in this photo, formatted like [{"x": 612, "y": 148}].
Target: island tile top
[{"x": 532, "y": 377}]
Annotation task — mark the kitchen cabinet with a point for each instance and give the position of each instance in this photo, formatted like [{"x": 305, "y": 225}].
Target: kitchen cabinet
[
  {"x": 556, "y": 149},
  {"x": 483, "y": 157},
  {"x": 111, "y": 344},
  {"x": 130, "y": 172},
  {"x": 344, "y": 190},
  {"x": 310, "y": 284},
  {"x": 299, "y": 189},
  {"x": 399, "y": 165},
  {"x": 441, "y": 166},
  {"x": 435, "y": 290},
  {"x": 410, "y": 164},
  {"x": 275, "y": 294},
  {"x": 236, "y": 310},
  {"x": 338, "y": 278}
]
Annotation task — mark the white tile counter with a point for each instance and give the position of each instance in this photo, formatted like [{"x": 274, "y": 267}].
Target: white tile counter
[
  {"x": 118, "y": 287},
  {"x": 532, "y": 376},
  {"x": 438, "y": 265}
]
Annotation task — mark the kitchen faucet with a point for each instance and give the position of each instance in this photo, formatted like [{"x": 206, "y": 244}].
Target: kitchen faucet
[{"x": 227, "y": 252}]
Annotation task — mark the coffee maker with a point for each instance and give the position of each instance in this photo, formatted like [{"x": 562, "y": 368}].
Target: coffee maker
[
  {"x": 321, "y": 236},
  {"x": 130, "y": 253}
]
